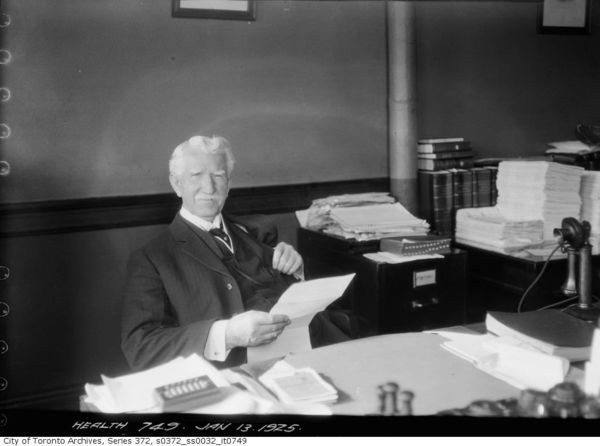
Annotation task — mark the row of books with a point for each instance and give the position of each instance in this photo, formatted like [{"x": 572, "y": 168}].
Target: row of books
[
  {"x": 443, "y": 192},
  {"x": 444, "y": 153}
]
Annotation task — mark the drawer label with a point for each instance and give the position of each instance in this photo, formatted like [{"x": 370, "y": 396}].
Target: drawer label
[{"x": 422, "y": 278}]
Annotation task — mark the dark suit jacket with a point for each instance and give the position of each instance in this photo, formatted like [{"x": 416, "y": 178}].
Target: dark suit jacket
[{"x": 178, "y": 287}]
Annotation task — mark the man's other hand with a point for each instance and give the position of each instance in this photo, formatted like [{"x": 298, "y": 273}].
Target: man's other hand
[
  {"x": 253, "y": 328},
  {"x": 286, "y": 259}
]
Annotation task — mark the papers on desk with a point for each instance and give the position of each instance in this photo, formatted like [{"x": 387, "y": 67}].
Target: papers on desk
[
  {"x": 298, "y": 386},
  {"x": 590, "y": 205},
  {"x": 507, "y": 359},
  {"x": 362, "y": 217},
  {"x": 136, "y": 392},
  {"x": 539, "y": 190},
  {"x": 390, "y": 257},
  {"x": 302, "y": 391},
  {"x": 570, "y": 147},
  {"x": 592, "y": 367},
  {"x": 300, "y": 302},
  {"x": 487, "y": 228}
]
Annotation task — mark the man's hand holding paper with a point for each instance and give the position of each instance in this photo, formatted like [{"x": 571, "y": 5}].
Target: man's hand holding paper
[{"x": 300, "y": 302}]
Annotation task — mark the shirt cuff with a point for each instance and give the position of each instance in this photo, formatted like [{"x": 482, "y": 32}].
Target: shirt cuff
[{"x": 215, "y": 348}]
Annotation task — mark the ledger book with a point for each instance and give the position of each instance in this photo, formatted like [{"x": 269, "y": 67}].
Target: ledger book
[{"x": 550, "y": 331}]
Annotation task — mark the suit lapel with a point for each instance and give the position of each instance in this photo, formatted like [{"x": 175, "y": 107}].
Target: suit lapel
[{"x": 198, "y": 244}]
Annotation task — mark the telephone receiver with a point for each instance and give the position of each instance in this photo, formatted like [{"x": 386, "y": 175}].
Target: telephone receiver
[{"x": 572, "y": 233}]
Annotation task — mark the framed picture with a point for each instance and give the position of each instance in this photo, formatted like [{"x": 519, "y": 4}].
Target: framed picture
[
  {"x": 565, "y": 17},
  {"x": 215, "y": 9}
]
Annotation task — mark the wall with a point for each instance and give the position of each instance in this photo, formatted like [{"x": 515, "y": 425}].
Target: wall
[
  {"x": 103, "y": 90},
  {"x": 484, "y": 73}
]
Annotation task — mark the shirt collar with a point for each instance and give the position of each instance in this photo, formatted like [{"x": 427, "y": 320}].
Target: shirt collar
[{"x": 201, "y": 223}]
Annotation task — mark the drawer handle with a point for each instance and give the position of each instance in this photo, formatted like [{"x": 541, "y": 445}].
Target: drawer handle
[{"x": 417, "y": 304}]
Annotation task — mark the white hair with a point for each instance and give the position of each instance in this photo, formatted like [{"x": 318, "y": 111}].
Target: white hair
[{"x": 214, "y": 145}]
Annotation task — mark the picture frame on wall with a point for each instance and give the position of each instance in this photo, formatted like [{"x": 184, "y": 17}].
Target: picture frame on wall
[
  {"x": 215, "y": 9},
  {"x": 565, "y": 17}
]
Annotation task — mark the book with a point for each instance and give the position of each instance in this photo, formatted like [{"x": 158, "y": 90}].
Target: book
[
  {"x": 494, "y": 189},
  {"x": 435, "y": 200},
  {"x": 550, "y": 331},
  {"x": 416, "y": 245},
  {"x": 458, "y": 163},
  {"x": 589, "y": 161},
  {"x": 439, "y": 140},
  {"x": 463, "y": 153},
  {"x": 482, "y": 187},
  {"x": 462, "y": 192},
  {"x": 443, "y": 147},
  {"x": 462, "y": 188}
]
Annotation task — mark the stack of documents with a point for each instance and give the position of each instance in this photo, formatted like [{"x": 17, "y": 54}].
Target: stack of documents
[
  {"x": 590, "y": 205},
  {"x": 137, "y": 392},
  {"x": 592, "y": 367},
  {"x": 353, "y": 200},
  {"x": 298, "y": 386},
  {"x": 369, "y": 216},
  {"x": 376, "y": 221},
  {"x": 539, "y": 190},
  {"x": 570, "y": 147},
  {"x": 506, "y": 358},
  {"x": 488, "y": 229}
]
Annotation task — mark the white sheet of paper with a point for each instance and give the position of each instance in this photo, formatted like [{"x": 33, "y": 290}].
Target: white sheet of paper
[
  {"x": 300, "y": 302},
  {"x": 290, "y": 340},
  {"x": 134, "y": 392}
]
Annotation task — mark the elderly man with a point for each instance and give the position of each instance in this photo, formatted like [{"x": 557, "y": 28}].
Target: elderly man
[{"x": 206, "y": 284}]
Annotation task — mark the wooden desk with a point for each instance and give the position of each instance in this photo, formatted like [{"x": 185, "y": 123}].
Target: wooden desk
[
  {"x": 415, "y": 361},
  {"x": 497, "y": 281}
]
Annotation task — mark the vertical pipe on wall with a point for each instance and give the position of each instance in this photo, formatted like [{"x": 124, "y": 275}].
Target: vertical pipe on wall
[{"x": 402, "y": 113}]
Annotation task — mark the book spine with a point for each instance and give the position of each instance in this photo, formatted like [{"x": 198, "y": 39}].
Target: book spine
[
  {"x": 435, "y": 200},
  {"x": 493, "y": 186},
  {"x": 482, "y": 187},
  {"x": 462, "y": 186},
  {"x": 443, "y": 147},
  {"x": 446, "y": 155},
  {"x": 460, "y": 163}
]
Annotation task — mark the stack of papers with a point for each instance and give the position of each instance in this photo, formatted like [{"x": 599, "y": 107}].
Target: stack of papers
[
  {"x": 136, "y": 392},
  {"x": 298, "y": 386},
  {"x": 486, "y": 228},
  {"x": 317, "y": 215},
  {"x": 376, "y": 221},
  {"x": 592, "y": 367},
  {"x": 506, "y": 358},
  {"x": 353, "y": 200},
  {"x": 539, "y": 190},
  {"x": 590, "y": 205},
  {"x": 570, "y": 147},
  {"x": 369, "y": 216}
]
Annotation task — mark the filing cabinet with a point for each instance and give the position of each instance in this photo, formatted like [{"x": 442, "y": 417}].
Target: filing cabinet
[{"x": 390, "y": 298}]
